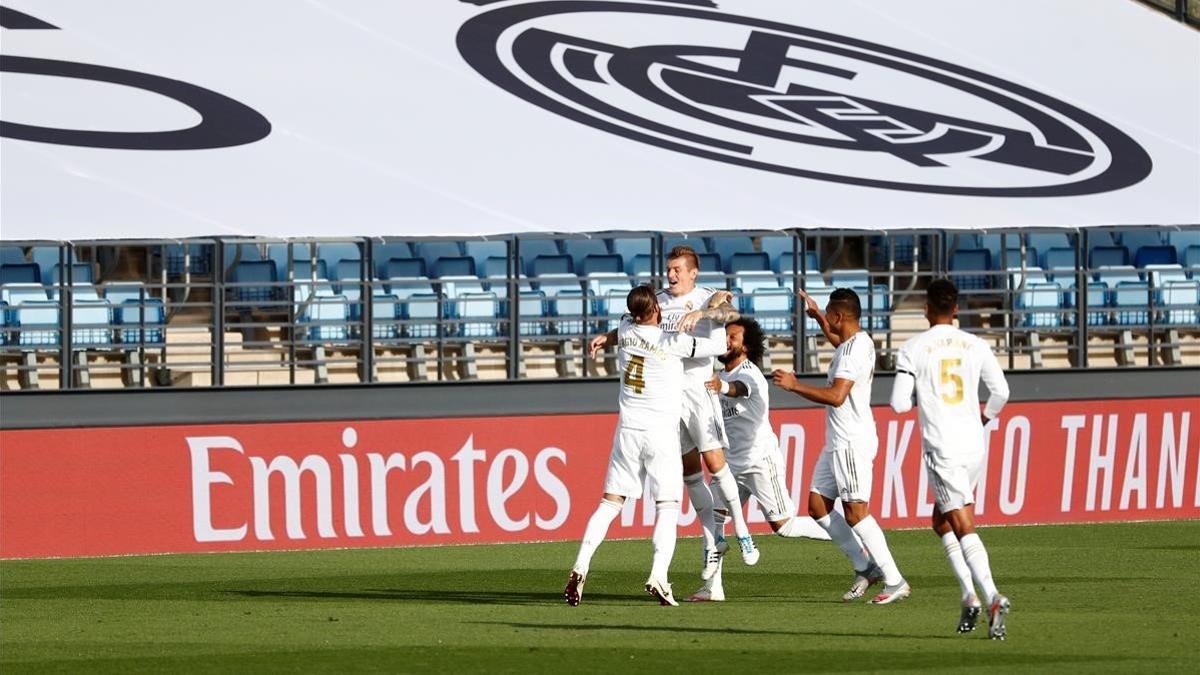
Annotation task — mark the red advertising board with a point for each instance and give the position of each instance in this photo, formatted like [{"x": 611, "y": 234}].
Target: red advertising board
[{"x": 226, "y": 487}]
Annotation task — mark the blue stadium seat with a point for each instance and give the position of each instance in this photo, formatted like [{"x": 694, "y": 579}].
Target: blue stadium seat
[
  {"x": 1107, "y": 256},
  {"x": 628, "y": 247},
  {"x": 1012, "y": 258},
  {"x": 820, "y": 295},
  {"x": 20, "y": 273},
  {"x": 1058, "y": 259},
  {"x": 1097, "y": 303},
  {"x": 709, "y": 262},
  {"x": 179, "y": 256},
  {"x": 603, "y": 288},
  {"x": 1181, "y": 302},
  {"x": 238, "y": 253},
  {"x": 1043, "y": 241},
  {"x": 384, "y": 252},
  {"x": 639, "y": 268},
  {"x": 404, "y": 268},
  {"x": 857, "y": 278},
  {"x": 776, "y": 246},
  {"x": 15, "y": 294},
  {"x": 430, "y": 251},
  {"x": 460, "y": 266},
  {"x": 579, "y": 249},
  {"x": 760, "y": 295},
  {"x": 253, "y": 284},
  {"x": 903, "y": 247},
  {"x": 91, "y": 325},
  {"x": 532, "y": 248},
  {"x": 1113, "y": 275},
  {"x": 46, "y": 257},
  {"x": 728, "y": 246},
  {"x": 711, "y": 272},
  {"x": 1191, "y": 259},
  {"x": 876, "y": 306},
  {"x": 748, "y": 282},
  {"x": 303, "y": 269},
  {"x": 965, "y": 261},
  {"x": 302, "y": 254},
  {"x": 1134, "y": 239},
  {"x": 478, "y": 313},
  {"x": 1032, "y": 275},
  {"x": 565, "y": 299},
  {"x": 385, "y": 317},
  {"x": 1131, "y": 300},
  {"x": 1039, "y": 305},
  {"x": 1154, "y": 255},
  {"x": 698, "y": 244},
  {"x": 139, "y": 321},
  {"x": 12, "y": 255},
  {"x": 38, "y": 321},
  {"x": 593, "y": 264},
  {"x": 419, "y": 305},
  {"x": 1184, "y": 239},
  {"x": 335, "y": 252},
  {"x": 496, "y": 268},
  {"x": 480, "y": 251},
  {"x": 1159, "y": 275},
  {"x": 611, "y": 308},
  {"x": 787, "y": 262},
  {"x": 326, "y": 320},
  {"x": 551, "y": 265},
  {"x": 748, "y": 262},
  {"x": 80, "y": 292}
]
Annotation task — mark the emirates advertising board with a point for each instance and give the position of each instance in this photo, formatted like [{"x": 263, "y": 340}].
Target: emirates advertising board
[{"x": 338, "y": 484}]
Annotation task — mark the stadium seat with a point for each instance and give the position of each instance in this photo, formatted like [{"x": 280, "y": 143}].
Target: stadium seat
[
  {"x": 327, "y": 320},
  {"x": 481, "y": 250},
  {"x": 20, "y": 273},
  {"x": 1113, "y": 275},
  {"x": 404, "y": 268},
  {"x": 385, "y": 317},
  {"x": 477, "y": 313},
  {"x": 46, "y": 257},
  {"x": 698, "y": 244},
  {"x": 748, "y": 262},
  {"x": 1058, "y": 259},
  {"x": 760, "y": 295},
  {"x": 80, "y": 292},
  {"x": 117, "y": 292},
  {"x": 579, "y": 249},
  {"x": 91, "y": 325},
  {"x": 611, "y": 308},
  {"x": 544, "y": 265},
  {"x": 628, "y": 247},
  {"x": 80, "y": 273},
  {"x": 593, "y": 264},
  {"x": 1032, "y": 275},
  {"x": 303, "y": 270},
  {"x": 639, "y": 268},
  {"x": 38, "y": 323},
  {"x": 600, "y": 285},
  {"x": 855, "y": 279},
  {"x": 775, "y": 247},
  {"x": 965, "y": 261},
  {"x": 382, "y": 253},
  {"x": 787, "y": 263},
  {"x": 1039, "y": 305},
  {"x": 1181, "y": 302},
  {"x": 197, "y": 258},
  {"x": 1107, "y": 256},
  {"x": 565, "y": 299},
  {"x": 1044, "y": 241},
  {"x": 253, "y": 284},
  {"x": 819, "y": 295},
  {"x": 530, "y": 249},
  {"x": 1012, "y": 258},
  {"x": 729, "y": 246},
  {"x": 419, "y": 306},
  {"x": 1158, "y": 275},
  {"x": 1182, "y": 240},
  {"x": 12, "y": 255},
  {"x": 302, "y": 254},
  {"x": 1191, "y": 259},
  {"x": 15, "y": 294},
  {"x": 748, "y": 282},
  {"x": 430, "y": 251},
  {"x": 876, "y": 307},
  {"x": 139, "y": 321},
  {"x": 1134, "y": 239},
  {"x": 1131, "y": 300},
  {"x": 460, "y": 266},
  {"x": 239, "y": 253},
  {"x": 1154, "y": 255},
  {"x": 1097, "y": 303}
]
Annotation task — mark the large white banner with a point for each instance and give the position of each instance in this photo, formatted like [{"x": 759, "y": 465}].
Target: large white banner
[{"x": 132, "y": 119}]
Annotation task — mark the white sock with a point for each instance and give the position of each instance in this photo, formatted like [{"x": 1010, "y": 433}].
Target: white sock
[
  {"x": 720, "y": 518},
  {"x": 841, "y": 534},
  {"x": 665, "y": 526},
  {"x": 726, "y": 486},
  {"x": 958, "y": 564},
  {"x": 593, "y": 536},
  {"x": 872, "y": 537},
  {"x": 802, "y": 526},
  {"x": 977, "y": 559},
  {"x": 702, "y": 501}
]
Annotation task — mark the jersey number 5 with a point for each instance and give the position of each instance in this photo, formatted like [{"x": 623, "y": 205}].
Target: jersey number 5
[
  {"x": 635, "y": 373},
  {"x": 952, "y": 383}
]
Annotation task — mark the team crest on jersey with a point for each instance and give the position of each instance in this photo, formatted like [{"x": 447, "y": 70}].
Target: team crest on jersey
[
  {"x": 683, "y": 76},
  {"x": 688, "y": 305}
]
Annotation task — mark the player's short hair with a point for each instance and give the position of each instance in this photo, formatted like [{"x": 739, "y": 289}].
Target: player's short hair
[
  {"x": 846, "y": 300},
  {"x": 683, "y": 251},
  {"x": 752, "y": 338},
  {"x": 942, "y": 296},
  {"x": 641, "y": 301}
]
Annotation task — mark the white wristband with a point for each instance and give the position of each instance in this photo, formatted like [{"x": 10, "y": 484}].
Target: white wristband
[{"x": 724, "y": 387}]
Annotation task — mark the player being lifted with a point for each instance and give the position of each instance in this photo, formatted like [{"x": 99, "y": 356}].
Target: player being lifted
[
  {"x": 754, "y": 455},
  {"x": 844, "y": 468},
  {"x": 645, "y": 451},
  {"x": 702, "y": 430},
  {"x": 945, "y": 365}
]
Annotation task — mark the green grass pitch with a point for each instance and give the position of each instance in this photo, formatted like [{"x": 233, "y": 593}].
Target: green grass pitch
[{"x": 1089, "y": 598}]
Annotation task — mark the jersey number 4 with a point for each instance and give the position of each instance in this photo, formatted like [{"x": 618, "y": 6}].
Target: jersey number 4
[
  {"x": 952, "y": 383},
  {"x": 635, "y": 377}
]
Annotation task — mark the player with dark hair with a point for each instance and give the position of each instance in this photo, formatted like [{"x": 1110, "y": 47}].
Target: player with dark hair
[
  {"x": 844, "y": 468},
  {"x": 645, "y": 451},
  {"x": 943, "y": 367},
  {"x": 753, "y": 455},
  {"x": 701, "y": 428}
]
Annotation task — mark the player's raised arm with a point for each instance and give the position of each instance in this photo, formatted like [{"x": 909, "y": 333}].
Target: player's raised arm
[
  {"x": 997, "y": 386},
  {"x": 735, "y": 389},
  {"x": 904, "y": 385},
  {"x": 601, "y": 342},
  {"x": 718, "y": 309},
  {"x": 833, "y": 395},
  {"x": 812, "y": 310}
]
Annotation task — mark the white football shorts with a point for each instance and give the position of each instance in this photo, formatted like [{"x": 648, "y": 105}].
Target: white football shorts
[
  {"x": 952, "y": 480},
  {"x": 764, "y": 481},
  {"x": 645, "y": 457},
  {"x": 703, "y": 426},
  {"x": 846, "y": 472}
]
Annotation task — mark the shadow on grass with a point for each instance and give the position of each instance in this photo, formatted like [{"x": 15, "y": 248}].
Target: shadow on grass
[
  {"x": 821, "y": 632},
  {"x": 471, "y": 597}
]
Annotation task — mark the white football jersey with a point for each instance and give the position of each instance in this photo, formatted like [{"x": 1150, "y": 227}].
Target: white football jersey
[
  {"x": 652, "y": 372},
  {"x": 696, "y": 371},
  {"x": 747, "y": 418},
  {"x": 852, "y": 422},
  {"x": 947, "y": 365}
]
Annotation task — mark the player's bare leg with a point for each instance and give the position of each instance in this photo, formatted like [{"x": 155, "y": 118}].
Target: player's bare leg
[
  {"x": 866, "y": 572},
  {"x": 726, "y": 488},
  {"x": 702, "y": 500},
  {"x": 593, "y": 536}
]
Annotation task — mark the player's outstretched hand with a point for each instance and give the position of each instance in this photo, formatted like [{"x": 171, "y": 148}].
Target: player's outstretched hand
[
  {"x": 596, "y": 345},
  {"x": 784, "y": 379},
  {"x": 689, "y": 321},
  {"x": 810, "y": 305},
  {"x": 720, "y": 298},
  {"x": 714, "y": 384}
]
